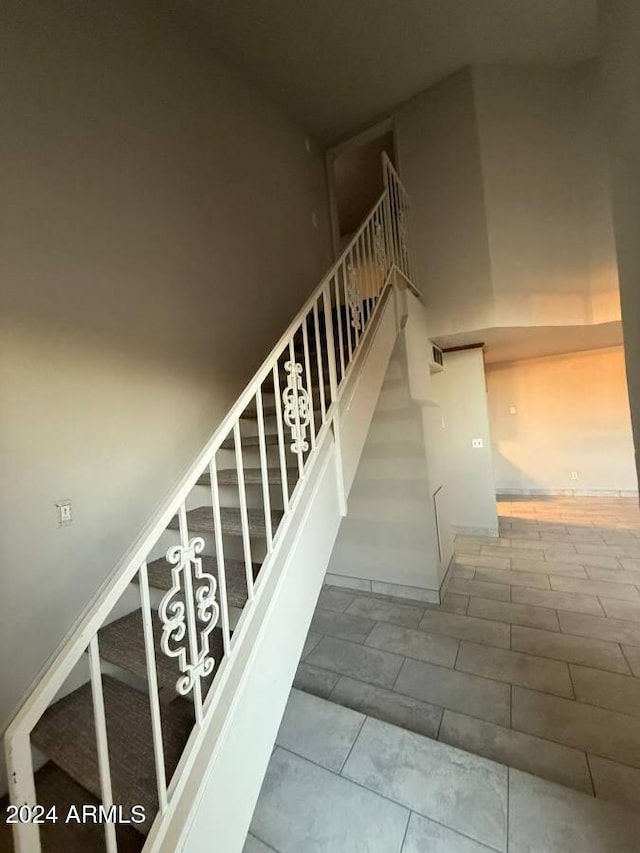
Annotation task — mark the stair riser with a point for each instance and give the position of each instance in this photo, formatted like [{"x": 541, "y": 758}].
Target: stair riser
[
  {"x": 229, "y": 496},
  {"x": 232, "y": 546}
]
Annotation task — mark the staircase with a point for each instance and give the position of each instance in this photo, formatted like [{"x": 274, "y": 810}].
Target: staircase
[{"x": 154, "y": 682}]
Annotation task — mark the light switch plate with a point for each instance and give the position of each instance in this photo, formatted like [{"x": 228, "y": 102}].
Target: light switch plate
[{"x": 65, "y": 516}]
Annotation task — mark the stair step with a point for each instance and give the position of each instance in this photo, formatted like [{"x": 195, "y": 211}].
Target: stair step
[
  {"x": 56, "y": 789},
  {"x": 66, "y": 735},
  {"x": 159, "y": 572},
  {"x": 252, "y": 476},
  {"x": 122, "y": 643},
  {"x": 271, "y": 439},
  {"x": 200, "y": 520}
]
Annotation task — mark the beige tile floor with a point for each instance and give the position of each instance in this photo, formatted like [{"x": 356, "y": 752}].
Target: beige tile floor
[{"x": 532, "y": 660}]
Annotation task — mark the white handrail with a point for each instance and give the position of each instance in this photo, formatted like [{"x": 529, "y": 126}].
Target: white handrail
[{"x": 375, "y": 252}]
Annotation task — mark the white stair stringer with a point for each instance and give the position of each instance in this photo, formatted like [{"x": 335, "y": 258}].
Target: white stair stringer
[{"x": 227, "y": 774}]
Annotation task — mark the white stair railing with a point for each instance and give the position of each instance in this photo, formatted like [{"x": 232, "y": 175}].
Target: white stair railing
[{"x": 302, "y": 379}]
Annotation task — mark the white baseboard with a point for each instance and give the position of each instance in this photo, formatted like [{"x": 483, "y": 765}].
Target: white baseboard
[
  {"x": 396, "y": 590},
  {"x": 575, "y": 493},
  {"x": 460, "y": 530}
]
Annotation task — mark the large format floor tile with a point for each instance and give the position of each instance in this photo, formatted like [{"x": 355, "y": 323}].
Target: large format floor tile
[
  {"x": 614, "y": 630},
  {"x": 606, "y": 689},
  {"x": 497, "y": 591},
  {"x": 386, "y": 611},
  {"x": 548, "y": 818},
  {"x": 552, "y": 761},
  {"x": 616, "y": 782},
  {"x": 466, "y": 628},
  {"x": 432, "y": 648},
  {"x": 616, "y": 609},
  {"x": 304, "y": 808},
  {"x": 462, "y": 791},
  {"x": 254, "y": 845},
  {"x": 551, "y": 644},
  {"x": 335, "y": 599},
  {"x": 515, "y": 614},
  {"x": 320, "y": 731},
  {"x": 341, "y": 625},
  {"x": 459, "y": 691},
  {"x": 388, "y": 705},
  {"x": 426, "y": 835},
  {"x": 558, "y": 600},
  {"x": 624, "y": 591},
  {"x": 596, "y": 730},
  {"x": 361, "y": 662},
  {"x": 315, "y": 680},
  {"x": 515, "y": 668}
]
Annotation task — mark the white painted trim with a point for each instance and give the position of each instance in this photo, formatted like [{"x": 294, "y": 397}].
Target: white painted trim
[
  {"x": 577, "y": 493},
  {"x": 460, "y": 530}
]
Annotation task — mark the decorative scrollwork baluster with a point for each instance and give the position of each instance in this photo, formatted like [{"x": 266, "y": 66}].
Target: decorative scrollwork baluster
[
  {"x": 297, "y": 408},
  {"x": 378, "y": 247},
  {"x": 353, "y": 296},
  {"x": 176, "y": 611}
]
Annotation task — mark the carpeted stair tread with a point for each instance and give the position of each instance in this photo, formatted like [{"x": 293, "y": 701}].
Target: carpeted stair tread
[
  {"x": 66, "y": 735},
  {"x": 270, "y": 439},
  {"x": 159, "y": 573},
  {"x": 252, "y": 476},
  {"x": 122, "y": 643},
  {"x": 200, "y": 520},
  {"x": 55, "y": 788}
]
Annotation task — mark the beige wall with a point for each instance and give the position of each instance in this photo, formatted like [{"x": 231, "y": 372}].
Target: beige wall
[
  {"x": 460, "y": 391},
  {"x": 620, "y": 57},
  {"x": 156, "y": 238},
  {"x": 511, "y": 219},
  {"x": 547, "y": 195},
  {"x": 439, "y": 158},
  {"x": 572, "y": 414}
]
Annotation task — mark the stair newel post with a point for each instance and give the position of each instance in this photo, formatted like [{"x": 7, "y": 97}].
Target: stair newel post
[
  {"x": 335, "y": 409},
  {"x": 154, "y": 696},
  {"x": 244, "y": 515},
  {"x": 264, "y": 470},
  {"x": 22, "y": 791},
  {"x": 222, "y": 577},
  {"x": 102, "y": 745}
]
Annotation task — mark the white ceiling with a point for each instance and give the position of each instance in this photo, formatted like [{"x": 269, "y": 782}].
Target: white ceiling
[{"x": 336, "y": 65}]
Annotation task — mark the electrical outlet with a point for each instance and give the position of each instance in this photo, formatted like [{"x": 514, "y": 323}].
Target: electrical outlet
[
  {"x": 477, "y": 442},
  {"x": 512, "y": 410},
  {"x": 574, "y": 475},
  {"x": 65, "y": 516}
]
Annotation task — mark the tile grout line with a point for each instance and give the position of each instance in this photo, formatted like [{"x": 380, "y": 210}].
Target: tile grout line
[
  {"x": 406, "y": 830},
  {"x": 508, "y": 807},
  {"x": 593, "y": 784},
  {"x": 355, "y": 740}
]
